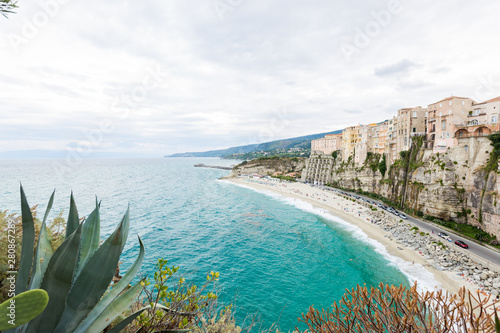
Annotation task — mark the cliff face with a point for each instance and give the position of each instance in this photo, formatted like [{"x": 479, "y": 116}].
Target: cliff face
[
  {"x": 455, "y": 184},
  {"x": 269, "y": 166}
]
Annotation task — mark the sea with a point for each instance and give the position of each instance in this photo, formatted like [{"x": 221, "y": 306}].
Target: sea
[{"x": 276, "y": 256}]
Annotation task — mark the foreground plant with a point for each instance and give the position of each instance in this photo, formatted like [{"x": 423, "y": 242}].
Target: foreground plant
[
  {"x": 398, "y": 309},
  {"x": 77, "y": 274},
  {"x": 174, "y": 305}
]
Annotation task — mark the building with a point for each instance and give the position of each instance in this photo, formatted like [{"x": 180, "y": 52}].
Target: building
[
  {"x": 482, "y": 120},
  {"x": 377, "y": 134},
  {"x": 350, "y": 137},
  {"x": 444, "y": 117},
  {"x": 362, "y": 144},
  {"x": 327, "y": 145},
  {"x": 408, "y": 123},
  {"x": 318, "y": 169}
]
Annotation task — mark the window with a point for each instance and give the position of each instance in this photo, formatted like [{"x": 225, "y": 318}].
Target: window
[
  {"x": 494, "y": 119},
  {"x": 414, "y": 129},
  {"x": 450, "y": 102},
  {"x": 443, "y": 124},
  {"x": 466, "y": 148},
  {"x": 474, "y": 122},
  {"x": 440, "y": 105},
  {"x": 447, "y": 135},
  {"x": 440, "y": 114},
  {"x": 414, "y": 115},
  {"x": 463, "y": 102},
  {"x": 426, "y": 114},
  {"x": 476, "y": 112},
  {"x": 449, "y": 112}
]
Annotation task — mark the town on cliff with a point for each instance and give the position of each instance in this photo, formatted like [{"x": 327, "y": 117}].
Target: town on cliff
[{"x": 438, "y": 162}]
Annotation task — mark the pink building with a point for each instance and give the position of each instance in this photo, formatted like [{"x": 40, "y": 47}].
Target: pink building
[
  {"x": 442, "y": 121},
  {"x": 481, "y": 120}
]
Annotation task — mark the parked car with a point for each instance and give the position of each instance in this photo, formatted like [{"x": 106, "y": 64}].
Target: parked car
[
  {"x": 403, "y": 216},
  {"x": 444, "y": 235},
  {"x": 462, "y": 244}
]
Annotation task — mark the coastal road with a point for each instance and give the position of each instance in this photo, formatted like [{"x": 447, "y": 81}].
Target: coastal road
[{"x": 475, "y": 248}]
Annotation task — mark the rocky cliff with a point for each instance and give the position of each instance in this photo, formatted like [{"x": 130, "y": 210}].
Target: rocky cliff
[
  {"x": 268, "y": 166},
  {"x": 458, "y": 184}
]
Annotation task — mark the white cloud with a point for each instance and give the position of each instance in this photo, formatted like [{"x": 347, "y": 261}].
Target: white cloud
[{"x": 221, "y": 81}]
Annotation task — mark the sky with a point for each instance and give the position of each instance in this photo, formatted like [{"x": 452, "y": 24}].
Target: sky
[{"x": 160, "y": 77}]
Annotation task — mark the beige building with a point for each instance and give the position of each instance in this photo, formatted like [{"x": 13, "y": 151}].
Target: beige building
[
  {"x": 377, "y": 134},
  {"x": 482, "y": 120},
  {"x": 327, "y": 145},
  {"x": 349, "y": 141},
  {"x": 445, "y": 118},
  {"x": 361, "y": 146},
  {"x": 401, "y": 128},
  {"x": 408, "y": 123}
]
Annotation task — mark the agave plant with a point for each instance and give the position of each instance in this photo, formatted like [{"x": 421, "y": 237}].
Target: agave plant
[{"x": 77, "y": 274}]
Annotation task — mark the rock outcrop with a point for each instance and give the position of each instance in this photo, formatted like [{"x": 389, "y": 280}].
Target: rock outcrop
[{"x": 268, "y": 166}]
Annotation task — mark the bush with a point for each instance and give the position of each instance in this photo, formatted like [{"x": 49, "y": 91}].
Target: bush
[{"x": 399, "y": 309}]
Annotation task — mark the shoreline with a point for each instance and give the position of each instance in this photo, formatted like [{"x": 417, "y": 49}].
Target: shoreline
[{"x": 411, "y": 261}]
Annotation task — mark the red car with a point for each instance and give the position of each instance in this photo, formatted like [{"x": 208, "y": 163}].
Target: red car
[{"x": 461, "y": 244}]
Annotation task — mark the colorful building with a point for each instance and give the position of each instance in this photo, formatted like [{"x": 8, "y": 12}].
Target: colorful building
[{"x": 442, "y": 121}]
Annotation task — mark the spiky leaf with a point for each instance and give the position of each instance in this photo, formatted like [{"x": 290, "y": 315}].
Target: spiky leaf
[
  {"x": 28, "y": 243},
  {"x": 73, "y": 219},
  {"x": 91, "y": 234},
  {"x": 57, "y": 282},
  {"x": 122, "y": 324},
  {"x": 26, "y": 305},
  {"x": 114, "y": 292},
  {"x": 119, "y": 305},
  {"x": 89, "y": 286},
  {"x": 43, "y": 250}
]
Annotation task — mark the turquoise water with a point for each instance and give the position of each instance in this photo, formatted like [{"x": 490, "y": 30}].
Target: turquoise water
[{"x": 276, "y": 256}]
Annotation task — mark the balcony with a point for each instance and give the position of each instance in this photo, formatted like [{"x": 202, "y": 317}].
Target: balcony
[
  {"x": 474, "y": 122},
  {"x": 475, "y": 114},
  {"x": 431, "y": 120},
  {"x": 412, "y": 134}
]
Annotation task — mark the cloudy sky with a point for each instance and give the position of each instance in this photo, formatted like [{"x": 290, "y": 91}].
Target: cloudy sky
[{"x": 159, "y": 77}]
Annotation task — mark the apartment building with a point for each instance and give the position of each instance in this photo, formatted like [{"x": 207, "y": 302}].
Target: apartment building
[
  {"x": 442, "y": 121},
  {"x": 482, "y": 120},
  {"x": 377, "y": 134},
  {"x": 349, "y": 141},
  {"x": 361, "y": 145},
  {"x": 327, "y": 144}
]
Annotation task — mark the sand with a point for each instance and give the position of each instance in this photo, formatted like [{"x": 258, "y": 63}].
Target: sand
[{"x": 357, "y": 215}]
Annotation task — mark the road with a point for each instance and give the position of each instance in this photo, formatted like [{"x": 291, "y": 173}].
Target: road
[{"x": 476, "y": 248}]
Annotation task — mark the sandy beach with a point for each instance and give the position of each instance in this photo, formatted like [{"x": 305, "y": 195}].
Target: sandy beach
[{"x": 360, "y": 216}]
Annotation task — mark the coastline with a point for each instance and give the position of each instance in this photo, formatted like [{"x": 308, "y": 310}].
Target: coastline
[{"x": 411, "y": 262}]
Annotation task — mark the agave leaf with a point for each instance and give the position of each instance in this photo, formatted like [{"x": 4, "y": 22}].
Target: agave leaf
[
  {"x": 43, "y": 250},
  {"x": 120, "y": 304},
  {"x": 91, "y": 234},
  {"x": 28, "y": 305},
  {"x": 94, "y": 278},
  {"x": 114, "y": 292},
  {"x": 122, "y": 324},
  {"x": 73, "y": 220},
  {"x": 57, "y": 282},
  {"x": 28, "y": 242}
]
